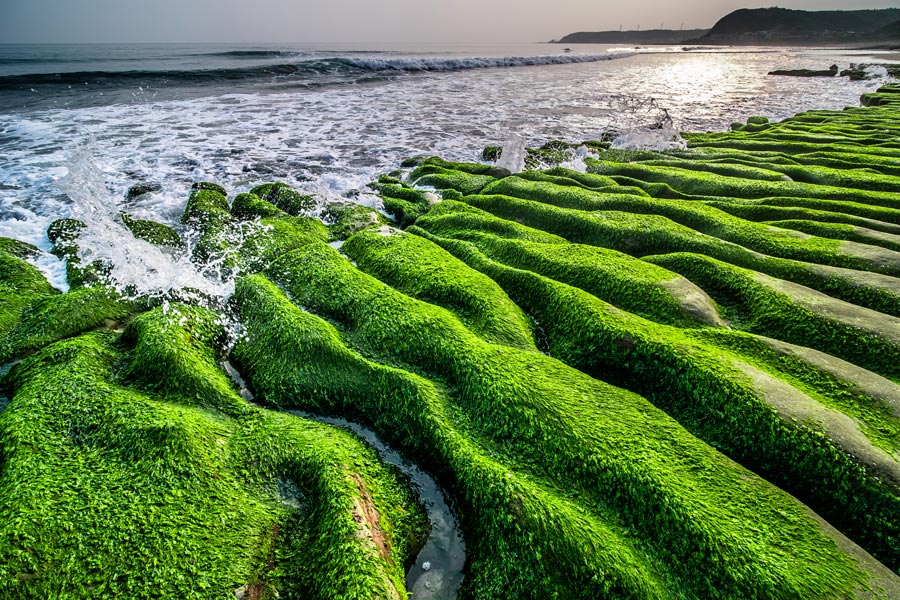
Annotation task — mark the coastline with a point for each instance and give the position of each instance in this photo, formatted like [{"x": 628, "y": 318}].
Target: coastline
[{"x": 654, "y": 365}]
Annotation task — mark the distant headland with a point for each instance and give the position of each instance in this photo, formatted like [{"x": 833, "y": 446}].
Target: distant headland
[
  {"x": 649, "y": 36},
  {"x": 767, "y": 26}
]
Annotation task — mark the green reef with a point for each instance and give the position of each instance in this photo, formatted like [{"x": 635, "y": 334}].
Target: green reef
[{"x": 673, "y": 375}]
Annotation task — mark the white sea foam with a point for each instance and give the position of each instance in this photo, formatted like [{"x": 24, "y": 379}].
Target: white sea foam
[
  {"x": 333, "y": 140},
  {"x": 876, "y": 72},
  {"x": 478, "y": 62},
  {"x": 576, "y": 163}
]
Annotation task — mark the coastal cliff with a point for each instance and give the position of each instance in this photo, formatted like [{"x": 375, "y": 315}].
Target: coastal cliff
[
  {"x": 782, "y": 26},
  {"x": 766, "y": 26}
]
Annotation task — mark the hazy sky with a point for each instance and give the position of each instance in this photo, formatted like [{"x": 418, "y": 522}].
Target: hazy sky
[{"x": 359, "y": 20}]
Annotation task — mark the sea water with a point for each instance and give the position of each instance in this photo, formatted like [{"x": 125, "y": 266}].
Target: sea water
[{"x": 80, "y": 124}]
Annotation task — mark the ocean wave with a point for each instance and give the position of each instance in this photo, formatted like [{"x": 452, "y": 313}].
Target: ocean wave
[
  {"x": 473, "y": 62},
  {"x": 346, "y": 65},
  {"x": 250, "y": 54}
]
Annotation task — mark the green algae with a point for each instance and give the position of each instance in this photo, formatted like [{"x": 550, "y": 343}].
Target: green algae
[
  {"x": 462, "y": 177},
  {"x": 403, "y": 202},
  {"x": 20, "y": 285},
  {"x": 54, "y": 317},
  {"x": 152, "y": 232},
  {"x": 701, "y": 384},
  {"x": 695, "y": 183},
  {"x": 248, "y": 235},
  {"x": 18, "y": 249},
  {"x": 346, "y": 218},
  {"x": 524, "y": 538},
  {"x": 772, "y": 210},
  {"x": 64, "y": 233},
  {"x": 705, "y": 219},
  {"x": 491, "y": 153},
  {"x": 285, "y": 198},
  {"x": 613, "y": 276},
  {"x": 846, "y": 331},
  {"x": 643, "y": 235},
  {"x": 424, "y": 271},
  {"x": 515, "y": 398},
  {"x": 841, "y": 231},
  {"x": 189, "y": 492}
]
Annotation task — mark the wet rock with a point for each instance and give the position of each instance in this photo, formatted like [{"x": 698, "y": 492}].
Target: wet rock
[
  {"x": 207, "y": 185},
  {"x": 285, "y": 197},
  {"x": 346, "y": 218},
  {"x": 142, "y": 188},
  {"x": 831, "y": 72},
  {"x": 491, "y": 153},
  {"x": 152, "y": 232}
]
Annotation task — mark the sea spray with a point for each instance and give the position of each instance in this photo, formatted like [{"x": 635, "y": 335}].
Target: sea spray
[
  {"x": 657, "y": 139},
  {"x": 513, "y": 156},
  {"x": 135, "y": 267},
  {"x": 876, "y": 72},
  {"x": 576, "y": 163}
]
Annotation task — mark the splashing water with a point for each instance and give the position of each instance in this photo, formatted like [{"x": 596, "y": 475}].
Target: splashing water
[
  {"x": 136, "y": 267},
  {"x": 576, "y": 163},
  {"x": 513, "y": 155},
  {"x": 876, "y": 72},
  {"x": 658, "y": 139}
]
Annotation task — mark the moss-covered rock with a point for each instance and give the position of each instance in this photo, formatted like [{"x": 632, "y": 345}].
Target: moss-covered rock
[
  {"x": 64, "y": 233},
  {"x": 533, "y": 409},
  {"x": 491, "y": 153},
  {"x": 20, "y": 285},
  {"x": 286, "y": 198},
  {"x": 152, "y": 232},
  {"x": 346, "y": 218},
  {"x": 178, "y": 468},
  {"x": 209, "y": 185}
]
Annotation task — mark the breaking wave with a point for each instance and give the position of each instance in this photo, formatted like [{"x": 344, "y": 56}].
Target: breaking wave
[{"x": 351, "y": 66}]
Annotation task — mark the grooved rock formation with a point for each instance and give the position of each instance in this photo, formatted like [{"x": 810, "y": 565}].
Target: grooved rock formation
[{"x": 672, "y": 376}]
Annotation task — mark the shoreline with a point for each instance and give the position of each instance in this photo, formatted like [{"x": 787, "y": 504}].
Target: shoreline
[{"x": 657, "y": 365}]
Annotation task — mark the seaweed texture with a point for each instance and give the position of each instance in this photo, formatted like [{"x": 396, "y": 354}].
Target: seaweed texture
[{"x": 674, "y": 376}]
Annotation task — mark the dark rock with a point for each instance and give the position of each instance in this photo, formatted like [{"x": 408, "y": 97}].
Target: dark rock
[
  {"x": 142, "y": 188},
  {"x": 833, "y": 71}
]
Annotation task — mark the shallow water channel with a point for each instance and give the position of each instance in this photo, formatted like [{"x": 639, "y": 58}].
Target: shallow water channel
[
  {"x": 4, "y": 399},
  {"x": 437, "y": 573}
]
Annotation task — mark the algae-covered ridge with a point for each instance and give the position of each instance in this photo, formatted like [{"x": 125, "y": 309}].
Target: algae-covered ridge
[{"x": 674, "y": 375}]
